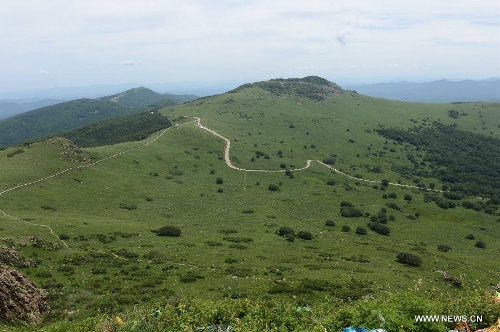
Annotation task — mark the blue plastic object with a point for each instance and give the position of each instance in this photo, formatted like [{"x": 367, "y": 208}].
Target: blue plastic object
[{"x": 354, "y": 329}]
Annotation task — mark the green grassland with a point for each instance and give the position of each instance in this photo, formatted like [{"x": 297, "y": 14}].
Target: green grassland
[{"x": 229, "y": 248}]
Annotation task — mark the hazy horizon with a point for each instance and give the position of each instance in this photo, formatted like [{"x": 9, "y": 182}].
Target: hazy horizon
[{"x": 151, "y": 42}]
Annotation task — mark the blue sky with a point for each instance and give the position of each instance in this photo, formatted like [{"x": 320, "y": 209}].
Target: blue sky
[{"x": 57, "y": 43}]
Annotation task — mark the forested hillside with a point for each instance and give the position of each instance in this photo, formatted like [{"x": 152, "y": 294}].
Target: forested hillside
[{"x": 134, "y": 127}]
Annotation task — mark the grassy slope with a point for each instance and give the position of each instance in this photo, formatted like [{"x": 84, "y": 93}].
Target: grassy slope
[{"x": 83, "y": 203}]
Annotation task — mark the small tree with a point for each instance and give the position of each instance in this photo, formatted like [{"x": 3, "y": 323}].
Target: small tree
[
  {"x": 329, "y": 161},
  {"x": 219, "y": 180},
  {"x": 330, "y": 223},
  {"x": 361, "y": 230},
  {"x": 480, "y": 244},
  {"x": 346, "y": 228},
  {"x": 409, "y": 259},
  {"x": 273, "y": 187},
  {"x": 305, "y": 235}
]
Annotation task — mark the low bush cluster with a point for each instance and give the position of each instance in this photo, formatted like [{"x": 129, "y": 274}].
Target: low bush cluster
[
  {"x": 167, "y": 231},
  {"x": 409, "y": 259}
]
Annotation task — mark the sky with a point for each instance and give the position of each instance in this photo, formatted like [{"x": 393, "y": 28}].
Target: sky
[{"x": 59, "y": 43}]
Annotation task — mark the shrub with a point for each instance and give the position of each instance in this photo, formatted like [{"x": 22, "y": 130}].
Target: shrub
[
  {"x": 64, "y": 237},
  {"x": 273, "y": 187},
  {"x": 446, "y": 204},
  {"x": 346, "y": 228},
  {"x": 219, "y": 180},
  {"x": 350, "y": 212},
  {"x": 305, "y": 235},
  {"x": 409, "y": 259},
  {"x": 345, "y": 203},
  {"x": 394, "y": 206},
  {"x": 361, "y": 230},
  {"x": 379, "y": 228},
  {"x": 470, "y": 237},
  {"x": 330, "y": 182},
  {"x": 330, "y": 223},
  {"x": 285, "y": 231},
  {"x": 168, "y": 231},
  {"x": 444, "y": 247},
  {"x": 480, "y": 244},
  {"x": 329, "y": 161},
  {"x": 392, "y": 195}
]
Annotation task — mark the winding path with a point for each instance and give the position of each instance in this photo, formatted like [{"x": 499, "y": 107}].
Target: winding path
[{"x": 227, "y": 160}]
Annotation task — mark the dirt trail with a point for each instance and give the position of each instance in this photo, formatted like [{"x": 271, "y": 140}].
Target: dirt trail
[
  {"x": 227, "y": 159},
  {"x": 67, "y": 170},
  {"x": 227, "y": 147}
]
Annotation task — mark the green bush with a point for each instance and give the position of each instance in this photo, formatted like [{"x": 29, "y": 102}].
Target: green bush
[
  {"x": 168, "y": 231},
  {"x": 285, "y": 231},
  {"x": 361, "y": 230},
  {"x": 444, "y": 247},
  {"x": 346, "y": 228},
  {"x": 273, "y": 187},
  {"x": 480, "y": 244},
  {"x": 329, "y": 161},
  {"x": 330, "y": 223},
  {"x": 350, "y": 212},
  {"x": 409, "y": 259},
  {"x": 379, "y": 228},
  {"x": 305, "y": 235}
]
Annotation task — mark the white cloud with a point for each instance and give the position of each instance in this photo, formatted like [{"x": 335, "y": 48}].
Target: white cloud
[
  {"x": 43, "y": 72},
  {"x": 342, "y": 36},
  {"x": 227, "y": 39},
  {"x": 128, "y": 63}
]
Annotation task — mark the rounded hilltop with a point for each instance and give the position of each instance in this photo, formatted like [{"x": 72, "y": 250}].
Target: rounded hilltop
[{"x": 312, "y": 87}]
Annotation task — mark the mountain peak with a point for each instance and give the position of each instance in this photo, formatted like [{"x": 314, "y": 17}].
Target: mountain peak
[{"x": 312, "y": 87}]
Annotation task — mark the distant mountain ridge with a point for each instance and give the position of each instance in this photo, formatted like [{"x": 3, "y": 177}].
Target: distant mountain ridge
[
  {"x": 78, "y": 113},
  {"x": 11, "y": 108},
  {"x": 143, "y": 97},
  {"x": 441, "y": 91}
]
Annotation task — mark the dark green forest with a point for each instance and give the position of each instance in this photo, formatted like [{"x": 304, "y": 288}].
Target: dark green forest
[
  {"x": 130, "y": 128},
  {"x": 466, "y": 163}
]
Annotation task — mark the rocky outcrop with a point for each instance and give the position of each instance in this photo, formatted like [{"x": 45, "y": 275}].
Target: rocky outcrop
[
  {"x": 20, "y": 299},
  {"x": 9, "y": 256}
]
